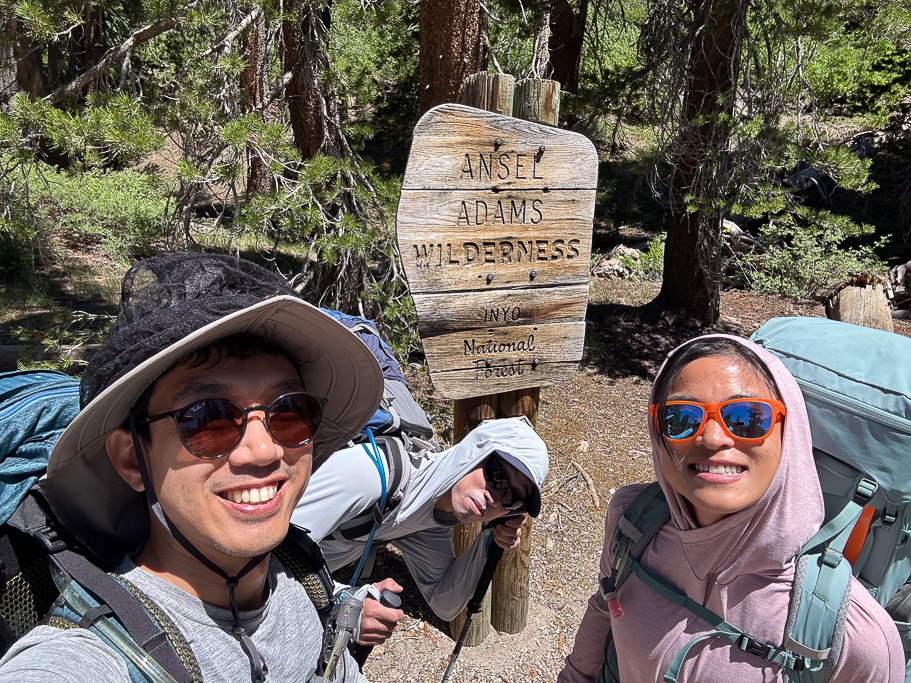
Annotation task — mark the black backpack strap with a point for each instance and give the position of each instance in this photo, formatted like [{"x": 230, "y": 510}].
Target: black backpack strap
[
  {"x": 398, "y": 465},
  {"x": 127, "y": 609},
  {"x": 302, "y": 556},
  {"x": 32, "y": 518}
]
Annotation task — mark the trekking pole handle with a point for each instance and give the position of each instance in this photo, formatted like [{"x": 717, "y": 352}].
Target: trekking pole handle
[{"x": 390, "y": 599}]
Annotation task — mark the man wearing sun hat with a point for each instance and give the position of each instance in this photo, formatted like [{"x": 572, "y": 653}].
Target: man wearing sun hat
[{"x": 216, "y": 394}]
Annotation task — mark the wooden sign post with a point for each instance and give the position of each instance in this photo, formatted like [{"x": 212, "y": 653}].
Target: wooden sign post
[{"x": 494, "y": 228}]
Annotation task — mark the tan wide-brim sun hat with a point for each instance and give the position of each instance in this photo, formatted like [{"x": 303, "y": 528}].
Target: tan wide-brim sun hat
[{"x": 88, "y": 496}]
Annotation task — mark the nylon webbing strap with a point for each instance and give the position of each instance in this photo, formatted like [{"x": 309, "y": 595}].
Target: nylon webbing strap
[
  {"x": 129, "y": 611},
  {"x": 722, "y": 629}
]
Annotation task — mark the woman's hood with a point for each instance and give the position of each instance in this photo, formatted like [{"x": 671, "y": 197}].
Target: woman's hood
[{"x": 766, "y": 535}]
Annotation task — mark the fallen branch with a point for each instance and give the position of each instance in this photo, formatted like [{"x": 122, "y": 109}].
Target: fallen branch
[{"x": 588, "y": 480}]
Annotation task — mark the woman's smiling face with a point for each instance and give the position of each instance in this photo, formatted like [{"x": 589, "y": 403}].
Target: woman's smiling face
[{"x": 718, "y": 474}]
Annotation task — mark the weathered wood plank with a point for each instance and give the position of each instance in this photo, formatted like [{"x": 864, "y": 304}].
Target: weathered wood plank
[
  {"x": 505, "y": 347},
  {"x": 481, "y": 276},
  {"x": 423, "y": 214},
  {"x": 461, "y": 147},
  {"x": 460, "y": 384},
  {"x": 493, "y": 92},
  {"x": 440, "y": 313}
]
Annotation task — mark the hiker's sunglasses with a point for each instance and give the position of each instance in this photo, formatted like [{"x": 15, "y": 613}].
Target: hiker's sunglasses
[
  {"x": 213, "y": 427},
  {"x": 496, "y": 477},
  {"x": 744, "y": 419}
]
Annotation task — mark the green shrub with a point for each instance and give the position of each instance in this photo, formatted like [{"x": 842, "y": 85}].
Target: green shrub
[
  {"x": 810, "y": 252},
  {"x": 122, "y": 208},
  {"x": 649, "y": 266}
]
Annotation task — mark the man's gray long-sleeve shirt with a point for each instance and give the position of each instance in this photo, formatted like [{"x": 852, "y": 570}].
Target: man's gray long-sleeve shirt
[
  {"x": 348, "y": 484},
  {"x": 286, "y": 631}
]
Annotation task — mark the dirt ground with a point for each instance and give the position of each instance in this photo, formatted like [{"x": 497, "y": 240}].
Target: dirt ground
[{"x": 596, "y": 424}]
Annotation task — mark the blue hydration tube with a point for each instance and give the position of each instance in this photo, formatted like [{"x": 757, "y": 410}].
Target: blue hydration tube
[{"x": 377, "y": 458}]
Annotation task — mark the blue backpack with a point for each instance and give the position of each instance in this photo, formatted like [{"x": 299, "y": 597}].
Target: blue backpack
[
  {"x": 860, "y": 418},
  {"x": 858, "y": 399}
]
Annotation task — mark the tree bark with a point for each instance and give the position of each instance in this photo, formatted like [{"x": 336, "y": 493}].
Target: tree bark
[
  {"x": 567, "y": 33},
  {"x": 28, "y": 54},
  {"x": 451, "y": 48},
  {"x": 93, "y": 43},
  {"x": 691, "y": 285},
  {"x": 253, "y": 93}
]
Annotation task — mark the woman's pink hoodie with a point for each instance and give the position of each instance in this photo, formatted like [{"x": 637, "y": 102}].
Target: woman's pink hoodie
[{"x": 741, "y": 568}]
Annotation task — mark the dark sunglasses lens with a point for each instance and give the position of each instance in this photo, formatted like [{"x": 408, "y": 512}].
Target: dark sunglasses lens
[
  {"x": 210, "y": 428},
  {"x": 682, "y": 421},
  {"x": 495, "y": 475},
  {"x": 294, "y": 419},
  {"x": 748, "y": 419}
]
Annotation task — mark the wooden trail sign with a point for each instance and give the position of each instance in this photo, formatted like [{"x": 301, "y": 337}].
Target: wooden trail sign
[{"x": 494, "y": 227}]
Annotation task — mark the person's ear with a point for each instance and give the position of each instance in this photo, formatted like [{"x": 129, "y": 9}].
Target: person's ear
[{"x": 119, "y": 446}]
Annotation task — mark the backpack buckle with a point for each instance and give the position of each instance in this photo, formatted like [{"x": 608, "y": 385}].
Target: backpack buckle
[
  {"x": 51, "y": 538},
  {"x": 755, "y": 647},
  {"x": 864, "y": 491}
]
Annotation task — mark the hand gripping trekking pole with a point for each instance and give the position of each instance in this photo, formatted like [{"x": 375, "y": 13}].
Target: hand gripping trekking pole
[{"x": 494, "y": 553}]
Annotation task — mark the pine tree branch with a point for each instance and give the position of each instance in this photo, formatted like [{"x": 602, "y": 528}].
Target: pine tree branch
[
  {"x": 143, "y": 35},
  {"x": 228, "y": 39}
]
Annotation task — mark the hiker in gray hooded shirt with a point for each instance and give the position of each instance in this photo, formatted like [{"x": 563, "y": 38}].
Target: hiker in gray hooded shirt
[
  {"x": 495, "y": 471},
  {"x": 203, "y": 414}
]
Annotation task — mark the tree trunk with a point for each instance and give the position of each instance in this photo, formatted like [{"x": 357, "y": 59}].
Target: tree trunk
[
  {"x": 29, "y": 62},
  {"x": 567, "y": 32},
  {"x": 93, "y": 43},
  {"x": 253, "y": 94},
  {"x": 451, "y": 48},
  {"x": 691, "y": 285},
  {"x": 540, "y": 62}
]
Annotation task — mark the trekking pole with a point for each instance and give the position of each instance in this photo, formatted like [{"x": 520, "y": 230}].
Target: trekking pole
[{"x": 494, "y": 553}]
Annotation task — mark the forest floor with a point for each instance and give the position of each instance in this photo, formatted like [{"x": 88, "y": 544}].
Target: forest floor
[{"x": 595, "y": 423}]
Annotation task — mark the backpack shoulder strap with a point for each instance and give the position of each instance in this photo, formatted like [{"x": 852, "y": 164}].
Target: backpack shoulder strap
[
  {"x": 72, "y": 572},
  {"x": 302, "y": 556},
  {"x": 822, "y": 588},
  {"x": 637, "y": 526},
  {"x": 91, "y": 595},
  {"x": 398, "y": 465}
]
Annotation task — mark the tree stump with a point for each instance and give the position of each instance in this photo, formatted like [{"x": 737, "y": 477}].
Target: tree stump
[{"x": 866, "y": 306}]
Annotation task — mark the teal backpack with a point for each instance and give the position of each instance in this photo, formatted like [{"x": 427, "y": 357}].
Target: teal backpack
[{"x": 860, "y": 418}]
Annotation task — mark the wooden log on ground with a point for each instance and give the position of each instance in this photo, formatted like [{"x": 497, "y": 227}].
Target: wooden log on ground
[{"x": 866, "y": 306}]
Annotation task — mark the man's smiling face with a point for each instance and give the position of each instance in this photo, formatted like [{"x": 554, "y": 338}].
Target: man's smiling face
[{"x": 239, "y": 505}]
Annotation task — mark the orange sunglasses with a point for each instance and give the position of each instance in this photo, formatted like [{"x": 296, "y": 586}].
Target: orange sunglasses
[{"x": 744, "y": 419}]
